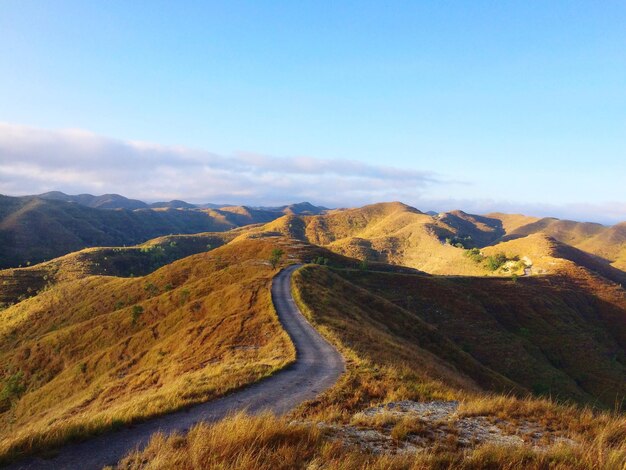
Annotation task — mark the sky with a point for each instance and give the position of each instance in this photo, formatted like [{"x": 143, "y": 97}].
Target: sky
[{"x": 477, "y": 105}]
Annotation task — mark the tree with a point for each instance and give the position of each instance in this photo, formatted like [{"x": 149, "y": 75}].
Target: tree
[{"x": 275, "y": 257}]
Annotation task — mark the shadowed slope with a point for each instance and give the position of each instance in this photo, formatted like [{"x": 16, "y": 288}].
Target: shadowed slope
[
  {"x": 542, "y": 335},
  {"x": 33, "y": 229}
]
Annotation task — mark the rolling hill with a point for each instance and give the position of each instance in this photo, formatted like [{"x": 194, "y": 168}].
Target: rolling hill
[
  {"x": 457, "y": 243},
  {"x": 34, "y": 229},
  {"x": 19, "y": 283},
  {"x": 416, "y": 342},
  {"x": 89, "y": 353},
  {"x": 106, "y": 336},
  {"x": 606, "y": 242}
]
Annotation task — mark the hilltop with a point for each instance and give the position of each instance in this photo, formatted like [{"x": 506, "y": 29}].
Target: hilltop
[{"x": 457, "y": 243}]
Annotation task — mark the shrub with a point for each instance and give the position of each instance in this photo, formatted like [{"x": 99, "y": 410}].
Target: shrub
[
  {"x": 12, "y": 390},
  {"x": 136, "y": 312},
  {"x": 275, "y": 257},
  {"x": 496, "y": 261},
  {"x": 475, "y": 255},
  {"x": 184, "y": 296}
]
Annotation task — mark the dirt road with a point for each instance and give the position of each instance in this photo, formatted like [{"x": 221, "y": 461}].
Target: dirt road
[{"x": 318, "y": 365}]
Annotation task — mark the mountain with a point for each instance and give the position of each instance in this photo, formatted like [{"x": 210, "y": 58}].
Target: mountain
[
  {"x": 301, "y": 208},
  {"x": 174, "y": 204},
  {"x": 33, "y": 229},
  {"x": 106, "y": 201}
]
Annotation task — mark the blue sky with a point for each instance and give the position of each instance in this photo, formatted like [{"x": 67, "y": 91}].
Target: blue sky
[{"x": 517, "y": 106}]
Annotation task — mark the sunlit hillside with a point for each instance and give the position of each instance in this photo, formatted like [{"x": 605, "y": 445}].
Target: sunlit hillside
[
  {"x": 90, "y": 354},
  {"x": 477, "y": 354}
]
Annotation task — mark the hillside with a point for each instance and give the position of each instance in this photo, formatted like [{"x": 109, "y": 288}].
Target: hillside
[
  {"x": 105, "y": 201},
  {"x": 606, "y": 242},
  {"x": 542, "y": 334},
  {"x": 387, "y": 232},
  {"x": 34, "y": 230},
  {"x": 19, "y": 283},
  {"x": 424, "y": 357},
  {"x": 457, "y": 243},
  {"x": 90, "y": 354}
]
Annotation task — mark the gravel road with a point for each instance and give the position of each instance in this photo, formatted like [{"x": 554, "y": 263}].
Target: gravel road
[{"x": 318, "y": 365}]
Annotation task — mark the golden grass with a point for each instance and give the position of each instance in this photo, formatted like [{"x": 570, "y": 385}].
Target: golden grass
[
  {"x": 383, "y": 366},
  {"x": 97, "y": 353},
  {"x": 266, "y": 442}
]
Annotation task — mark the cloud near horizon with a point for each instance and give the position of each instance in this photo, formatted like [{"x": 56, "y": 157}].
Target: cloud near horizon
[{"x": 34, "y": 161}]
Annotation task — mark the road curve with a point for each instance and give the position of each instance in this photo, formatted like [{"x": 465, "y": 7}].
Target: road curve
[{"x": 318, "y": 365}]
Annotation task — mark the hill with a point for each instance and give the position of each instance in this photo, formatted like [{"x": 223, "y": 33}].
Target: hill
[
  {"x": 398, "y": 234},
  {"x": 543, "y": 335},
  {"x": 422, "y": 355},
  {"x": 105, "y": 201},
  {"x": 457, "y": 243},
  {"x": 607, "y": 242},
  {"x": 17, "y": 284},
  {"x": 174, "y": 204},
  {"x": 34, "y": 229},
  {"x": 90, "y": 354}
]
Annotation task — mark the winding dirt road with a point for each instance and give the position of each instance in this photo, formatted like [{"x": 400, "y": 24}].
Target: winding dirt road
[{"x": 318, "y": 365}]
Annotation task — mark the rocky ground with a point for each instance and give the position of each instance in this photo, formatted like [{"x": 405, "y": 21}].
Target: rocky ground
[{"x": 409, "y": 426}]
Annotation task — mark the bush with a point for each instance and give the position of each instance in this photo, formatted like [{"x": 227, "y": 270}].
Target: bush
[
  {"x": 12, "y": 390},
  {"x": 321, "y": 261},
  {"x": 475, "y": 255},
  {"x": 136, "y": 313},
  {"x": 275, "y": 257},
  {"x": 495, "y": 262}
]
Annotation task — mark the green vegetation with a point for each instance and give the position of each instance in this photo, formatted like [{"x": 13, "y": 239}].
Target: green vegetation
[
  {"x": 12, "y": 389},
  {"x": 136, "y": 312},
  {"x": 496, "y": 261},
  {"x": 475, "y": 255},
  {"x": 275, "y": 257}
]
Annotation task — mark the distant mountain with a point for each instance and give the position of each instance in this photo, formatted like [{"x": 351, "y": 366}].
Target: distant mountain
[
  {"x": 116, "y": 201},
  {"x": 174, "y": 204},
  {"x": 301, "y": 208},
  {"x": 35, "y": 229},
  {"x": 106, "y": 201},
  {"x": 210, "y": 205}
]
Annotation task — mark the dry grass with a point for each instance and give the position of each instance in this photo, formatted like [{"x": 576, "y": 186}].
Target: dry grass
[
  {"x": 239, "y": 442},
  {"x": 266, "y": 442},
  {"x": 94, "y": 354},
  {"x": 390, "y": 356}
]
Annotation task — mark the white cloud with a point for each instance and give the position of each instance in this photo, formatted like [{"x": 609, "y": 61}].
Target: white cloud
[
  {"x": 37, "y": 160},
  {"x": 75, "y": 161}
]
